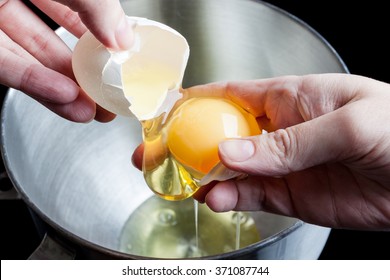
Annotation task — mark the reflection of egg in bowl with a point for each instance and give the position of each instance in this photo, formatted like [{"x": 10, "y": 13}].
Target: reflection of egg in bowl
[{"x": 180, "y": 145}]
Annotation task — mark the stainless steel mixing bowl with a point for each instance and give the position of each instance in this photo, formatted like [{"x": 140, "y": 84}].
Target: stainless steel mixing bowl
[{"x": 79, "y": 179}]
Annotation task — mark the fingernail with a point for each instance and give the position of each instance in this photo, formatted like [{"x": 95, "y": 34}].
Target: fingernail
[
  {"x": 124, "y": 34},
  {"x": 237, "y": 150}
]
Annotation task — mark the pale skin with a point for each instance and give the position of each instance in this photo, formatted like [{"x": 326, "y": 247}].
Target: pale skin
[
  {"x": 35, "y": 60},
  {"x": 325, "y": 158}
]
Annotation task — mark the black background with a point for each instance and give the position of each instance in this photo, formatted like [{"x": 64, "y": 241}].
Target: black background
[{"x": 359, "y": 32}]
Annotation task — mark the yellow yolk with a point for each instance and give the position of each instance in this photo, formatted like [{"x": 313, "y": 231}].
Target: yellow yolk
[{"x": 200, "y": 124}]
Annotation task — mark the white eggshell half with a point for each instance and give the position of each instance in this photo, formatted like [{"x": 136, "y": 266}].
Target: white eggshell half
[
  {"x": 88, "y": 61},
  {"x": 98, "y": 70}
]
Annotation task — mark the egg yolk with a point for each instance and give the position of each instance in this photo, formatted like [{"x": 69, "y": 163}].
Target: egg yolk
[{"x": 200, "y": 124}]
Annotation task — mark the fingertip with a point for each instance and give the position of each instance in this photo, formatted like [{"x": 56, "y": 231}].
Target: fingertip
[
  {"x": 237, "y": 150},
  {"x": 222, "y": 197},
  {"x": 103, "y": 116},
  {"x": 81, "y": 110},
  {"x": 124, "y": 34},
  {"x": 137, "y": 156},
  {"x": 200, "y": 194}
]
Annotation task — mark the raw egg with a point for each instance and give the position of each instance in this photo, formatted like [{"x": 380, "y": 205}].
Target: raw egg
[
  {"x": 200, "y": 124},
  {"x": 181, "y": 137},
  {"x": 181, "y": 153}
]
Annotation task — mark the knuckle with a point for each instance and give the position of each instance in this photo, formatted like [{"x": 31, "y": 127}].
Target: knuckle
[
  {"x": 71, "y": 18},
  {"x": 3, "y": 2},
  {"x": 282, "y": 147},
  {"x": 26, "y": 77},
  {"x": 39, "y": 44}
]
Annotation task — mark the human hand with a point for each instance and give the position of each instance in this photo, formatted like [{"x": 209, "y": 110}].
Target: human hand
[
  {"x": 35, "y": 60},
  {"x": 325, "y": 158}
]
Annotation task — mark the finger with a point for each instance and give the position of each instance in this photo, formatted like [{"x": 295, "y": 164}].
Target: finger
[
  {"x": 61, "y": 95},
  {"x": 201, "y": 193},
  {"x": 106, "y": 20},
  {"x": 7, "y": 43},
  {"x": 137, "y": 156},
  {"x": 332, "y": 137},
  {"x": 32, "y": 78},
  {"x": 82, "y": 109},
  {"x": 285, "y": 101},
  {"x": 28, "y": 31},
  {"x": 251, "y": 95},
  {"x": 62, "y": 15},
  {"x": 223, "y": 197},
  {"x": 231, "y": 91},
  {"x": 317, "y": 195},
  {"x": 329, "y": 104},
  {"x": 156, "y": 153},
  {"x": 285, "y": 196},
  {"x": 261, "y": 98},
  {"x": 102, "y": 115}
]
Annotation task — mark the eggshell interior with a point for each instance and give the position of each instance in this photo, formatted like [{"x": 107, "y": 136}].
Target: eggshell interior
[{"x": 99, "y": 71}]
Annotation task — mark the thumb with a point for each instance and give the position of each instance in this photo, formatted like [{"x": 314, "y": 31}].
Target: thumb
[
  {"x": 287, "y": 150},
  {"x": 106, "y": 20}
]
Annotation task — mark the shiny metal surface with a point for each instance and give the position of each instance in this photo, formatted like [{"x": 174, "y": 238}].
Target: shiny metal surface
[
  {"x": 235, "y": 39},
  {"x": 79, "y": 177}
]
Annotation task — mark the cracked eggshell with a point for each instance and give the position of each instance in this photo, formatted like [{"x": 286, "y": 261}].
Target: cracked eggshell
[
  {"x": 219, "y": 173},
  {"x": 99, "y": 70}
]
